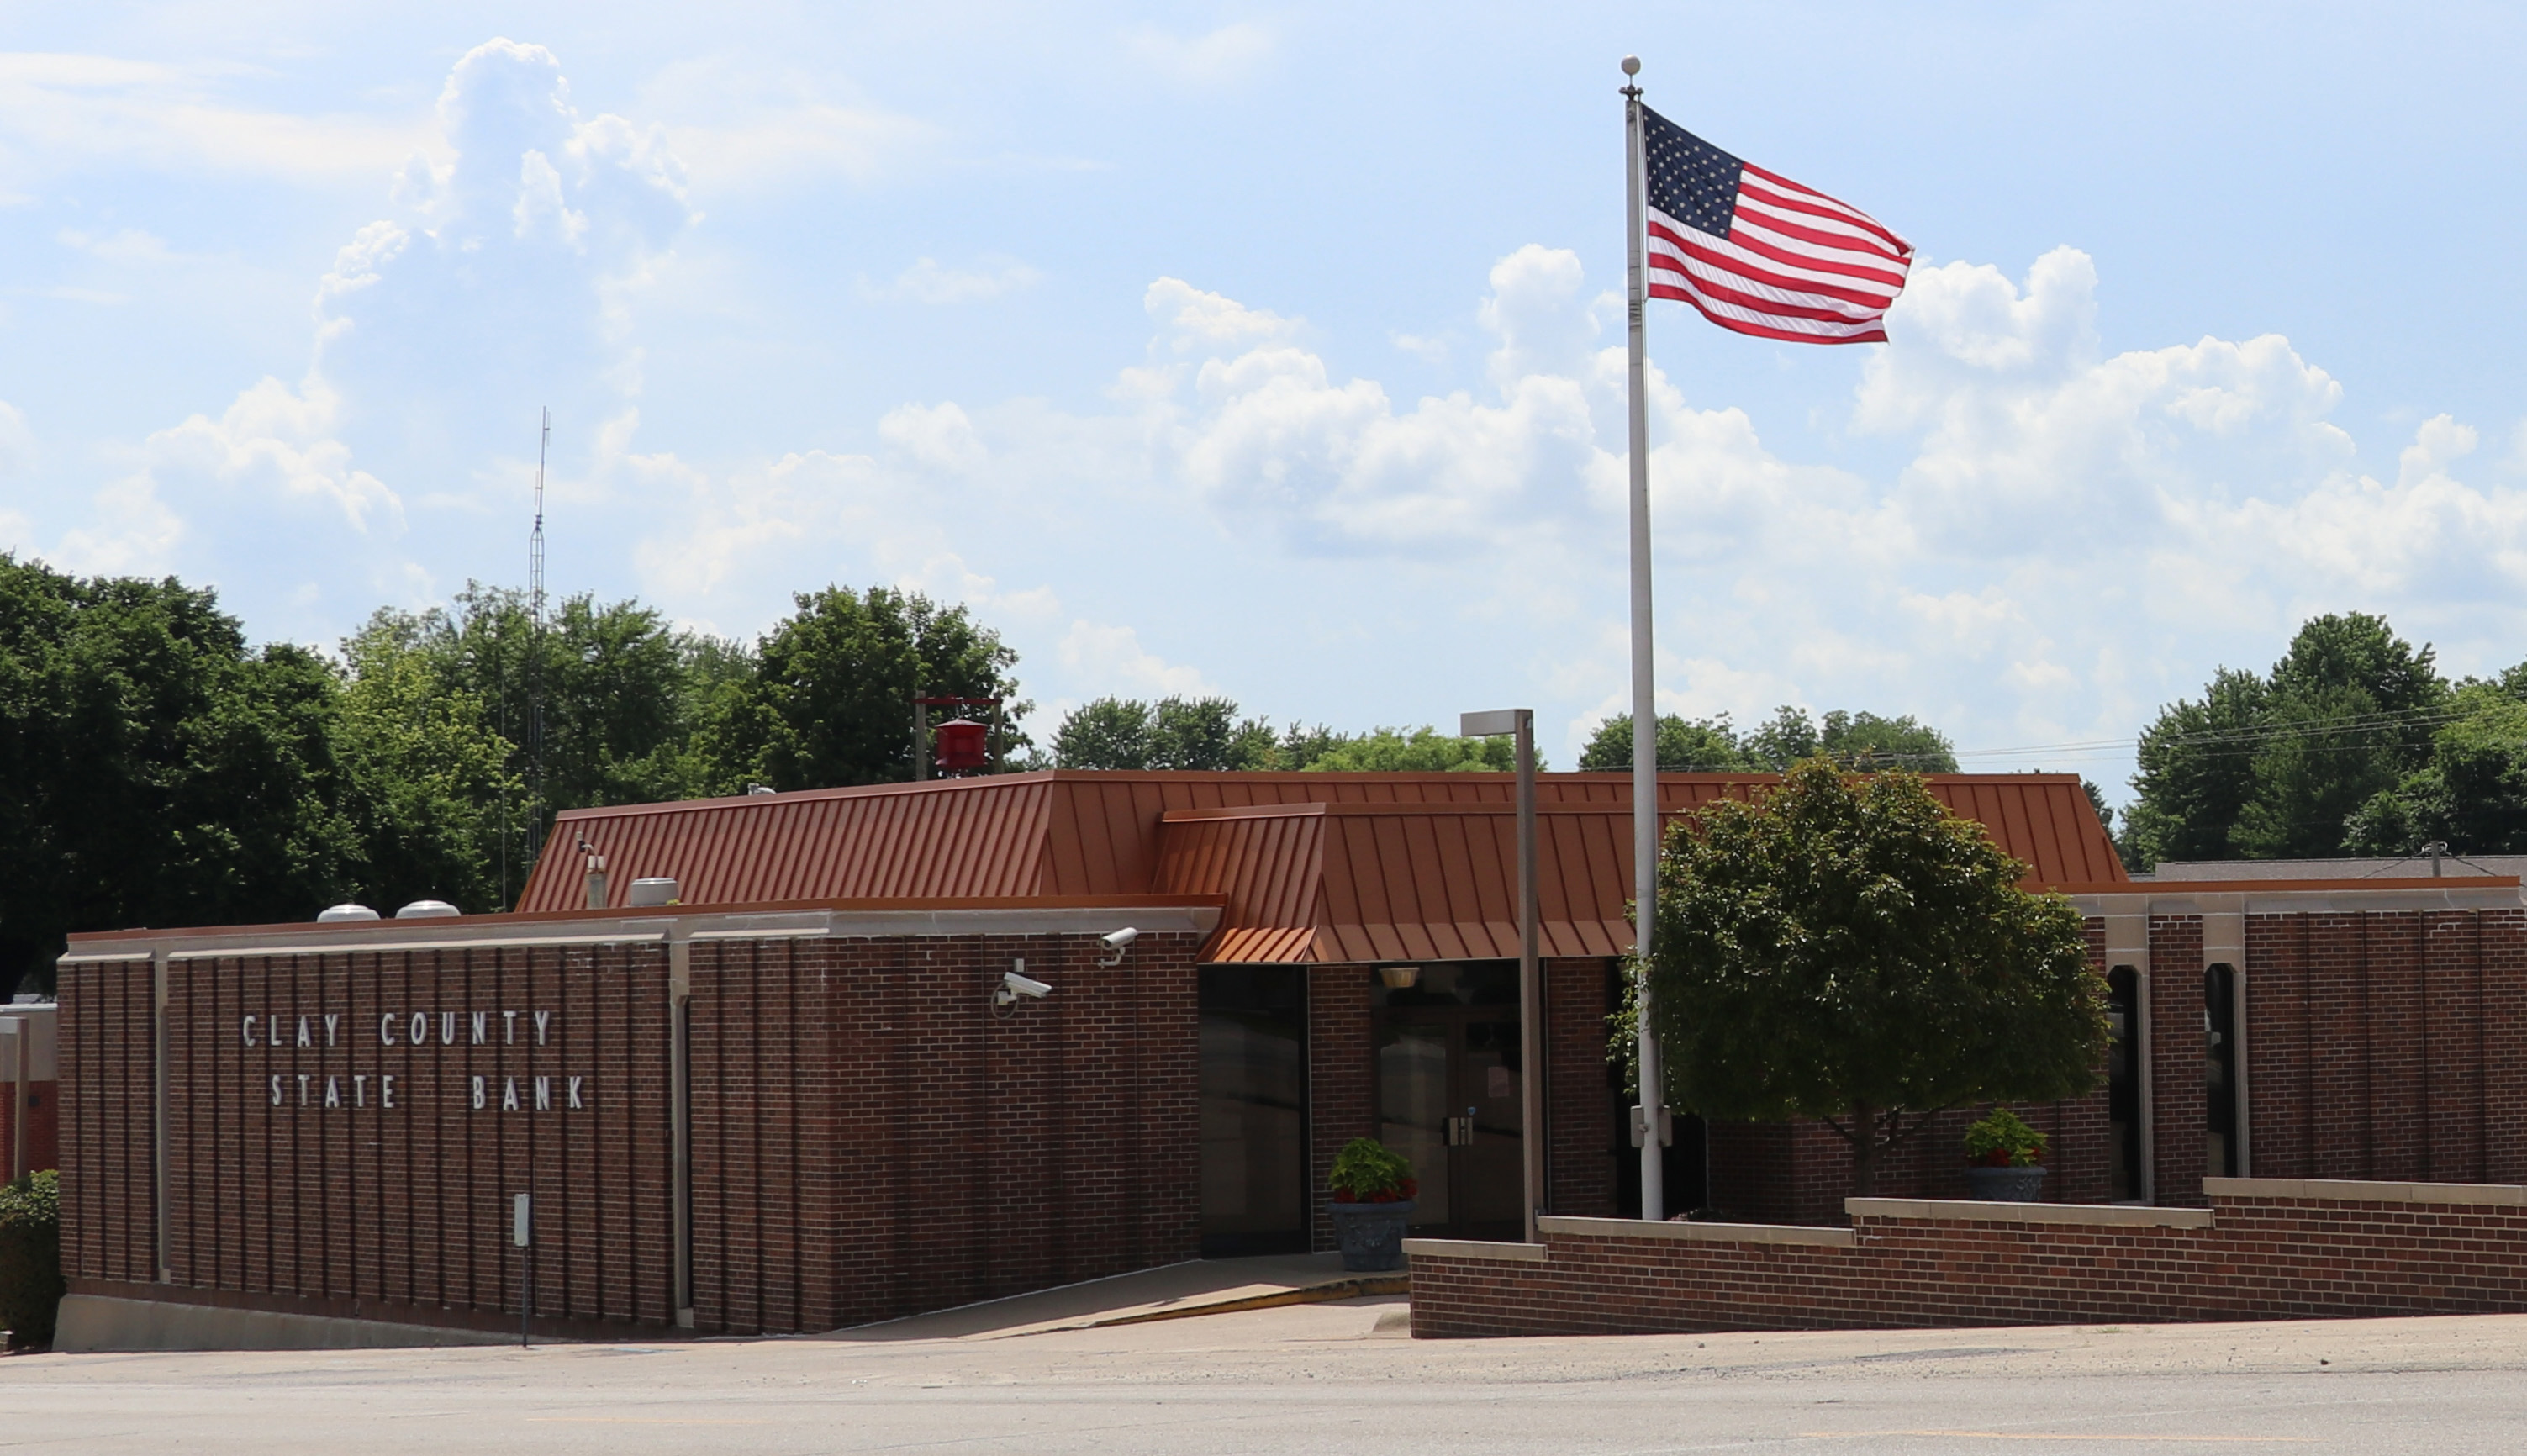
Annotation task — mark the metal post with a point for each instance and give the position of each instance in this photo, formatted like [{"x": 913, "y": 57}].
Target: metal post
[
  {"x": 1530, "y": 980},
  {"x": 680, "y": 1114},
  {"x": 920, "y": 739},
  {"x": 1645, "y": 795}
]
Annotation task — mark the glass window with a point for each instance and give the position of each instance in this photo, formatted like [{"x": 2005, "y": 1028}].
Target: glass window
[
  {"x": 2220, "y": 1073},
  {"x": 1254, "y": 1110},
  {"x": 2124, "y": 1182},
  {"x": 1450, "y": 983}
]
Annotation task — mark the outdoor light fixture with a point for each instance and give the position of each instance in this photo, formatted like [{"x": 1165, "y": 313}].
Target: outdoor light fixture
[{"x": 1399, "y": 978}]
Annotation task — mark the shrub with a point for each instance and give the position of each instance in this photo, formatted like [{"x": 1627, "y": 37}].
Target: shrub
[
  {"x": 2001, "y": 1140},
  {"x": 1365, "y": 1171},
  {"x": 31, "y": 1258}
]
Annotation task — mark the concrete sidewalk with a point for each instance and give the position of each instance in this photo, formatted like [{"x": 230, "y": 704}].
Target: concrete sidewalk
[{"x": 1203, "y": 1286}]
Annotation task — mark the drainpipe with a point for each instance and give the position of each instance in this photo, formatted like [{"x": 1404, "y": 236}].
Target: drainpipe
[{"x": 158, "y": 1109}]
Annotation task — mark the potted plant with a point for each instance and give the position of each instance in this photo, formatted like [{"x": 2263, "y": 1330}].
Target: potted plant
[
  {"x": 2004, "y": 1159},
  {"x": 1373, "y": 1190}
]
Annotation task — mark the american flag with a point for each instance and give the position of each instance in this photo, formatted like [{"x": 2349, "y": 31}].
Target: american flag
[{"x": 1757, "y": 252}]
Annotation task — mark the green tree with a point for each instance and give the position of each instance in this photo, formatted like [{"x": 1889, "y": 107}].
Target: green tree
[
  {"x": 424, "y": 775},
  {"x": 1855, "y": 740},
  {"x": 1423, "y": 750},
  {"x": 1685, "y": 746},
  {"x": 2472, "y": 794},
  {"x": 2276, "y": 765},
  {"x": 831, "y": 701},
  {"x": 154, "y": 770},
  {"x": 1847, "y": 949},
  {"x": 630, "y": 709},
  {"x": 1174, "y": 732}
]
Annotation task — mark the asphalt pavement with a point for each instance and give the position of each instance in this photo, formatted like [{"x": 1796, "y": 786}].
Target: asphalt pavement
[{"x": 1334, "y": 1377}]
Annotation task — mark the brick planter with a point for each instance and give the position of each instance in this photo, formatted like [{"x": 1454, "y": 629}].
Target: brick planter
[{"x": 2266, "y": 1249}]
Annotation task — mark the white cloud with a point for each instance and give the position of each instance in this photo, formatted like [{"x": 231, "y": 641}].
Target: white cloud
[
  {"x": 59, "y": 113},
  {"x": 745, "y": 130},
  {"x": 279, "y": 443},
  {"x": 1430, "y": 350},
  {"x": 2071, "y": 537},
  {"x": 133, "y": 533},
  {"x": 1191, "y": 320},
  {"x": 939, "y": 437},
  {"x": 1113, "y": 655}
]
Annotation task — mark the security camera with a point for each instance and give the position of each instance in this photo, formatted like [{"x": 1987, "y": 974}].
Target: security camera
[
  {"x": 1117, "y": 941},
  {"x": 1015, "y": 985}
]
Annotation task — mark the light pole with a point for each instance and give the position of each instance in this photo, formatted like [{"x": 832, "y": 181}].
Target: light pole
[{"x": 1520, "y": 723}]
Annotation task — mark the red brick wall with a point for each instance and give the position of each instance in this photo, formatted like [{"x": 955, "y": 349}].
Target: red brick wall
[
  {"x": 107, "y": 1191},
  {"x": 43, "y": 1126},
  {"x": 2179, "y": 1106},
  {"x": 1800, "y": 1172},
  {"x": 1342, "y": 1072},
  {"x": 2385, "y": 1045},
  {"x": 1576, "y": 1111},
  {"x": 2501, "y": 943},
  {"x": 870, "y": 1138},
  {"x": 2261, "y": 1258},
  {"x": 320, "y": 1191}
]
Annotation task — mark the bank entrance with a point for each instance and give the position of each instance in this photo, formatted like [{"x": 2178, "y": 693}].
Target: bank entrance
[{"x": 1447, "y": 1086}]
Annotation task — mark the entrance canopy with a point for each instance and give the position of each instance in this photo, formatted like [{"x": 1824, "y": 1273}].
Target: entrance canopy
[{"x": 1307, "y": 867}]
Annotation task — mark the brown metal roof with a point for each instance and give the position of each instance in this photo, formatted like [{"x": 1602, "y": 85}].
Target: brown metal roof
[{"x": 1309, "y": 866}]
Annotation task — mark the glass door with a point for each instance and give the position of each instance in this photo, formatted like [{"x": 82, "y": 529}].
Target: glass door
[
  {"x": 1254, "y": 1111},
  {"x": 1448, "y": 1096}
]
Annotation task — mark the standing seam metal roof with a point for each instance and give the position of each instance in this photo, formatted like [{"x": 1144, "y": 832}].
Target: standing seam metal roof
[{"x": 1309, "y": 866}]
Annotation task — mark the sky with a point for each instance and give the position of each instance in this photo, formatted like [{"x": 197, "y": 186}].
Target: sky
[{"x": 1276, "y": 351}]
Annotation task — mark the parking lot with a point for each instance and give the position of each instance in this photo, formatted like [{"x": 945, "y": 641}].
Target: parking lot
[{"x": 1321, "y": 1379}]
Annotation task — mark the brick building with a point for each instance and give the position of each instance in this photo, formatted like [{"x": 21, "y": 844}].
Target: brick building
[{"x": 792, "y": 1100}]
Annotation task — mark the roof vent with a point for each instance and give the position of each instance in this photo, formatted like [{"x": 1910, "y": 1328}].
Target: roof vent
[
  {"x": 426, "y": 910},
  {"x": 339, "y": 913},
  {"x": 653, "y": 891}
]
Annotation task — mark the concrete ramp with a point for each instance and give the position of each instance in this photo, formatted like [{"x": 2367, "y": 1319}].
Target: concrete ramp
[
  {"x": 1176, "y": 1291},
  {"x": 93, "y": 1323}
]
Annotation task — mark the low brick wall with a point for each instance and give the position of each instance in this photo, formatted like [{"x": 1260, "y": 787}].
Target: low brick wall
[{"x": 2266, "y": 1249}]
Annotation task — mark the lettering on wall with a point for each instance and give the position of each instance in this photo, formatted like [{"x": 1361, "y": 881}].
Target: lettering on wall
[{"x": 360, "y": 1086}]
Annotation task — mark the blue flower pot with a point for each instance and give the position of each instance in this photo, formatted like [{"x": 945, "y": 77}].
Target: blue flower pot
[
  {"x": 1371, "y": 1235},
  {"x": 2006, "y": 1185}
]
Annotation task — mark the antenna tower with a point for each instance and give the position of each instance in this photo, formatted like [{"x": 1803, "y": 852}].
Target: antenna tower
[{"x": 536, "y": 652}]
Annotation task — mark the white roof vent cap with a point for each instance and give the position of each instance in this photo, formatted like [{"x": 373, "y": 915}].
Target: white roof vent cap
[
  {"x": 653, "y": 891},
  {"x": 426, "y": 910},
  {"x": 339, "y": 913}
]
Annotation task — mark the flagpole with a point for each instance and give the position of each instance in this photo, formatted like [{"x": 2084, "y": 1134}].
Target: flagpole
[{"x": 1645, "y": 795}]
